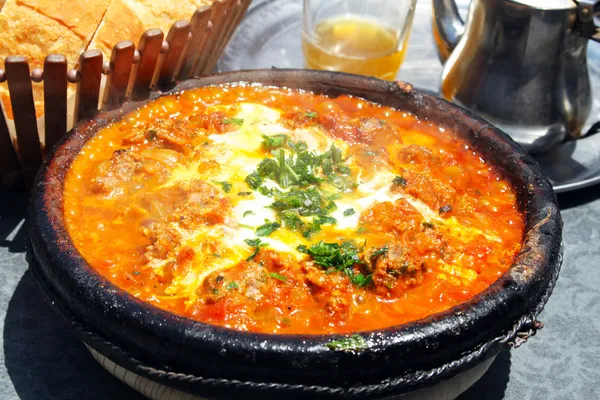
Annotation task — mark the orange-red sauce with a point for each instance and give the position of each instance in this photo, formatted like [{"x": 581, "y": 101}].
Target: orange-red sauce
[{"x": 117, "y": 212}]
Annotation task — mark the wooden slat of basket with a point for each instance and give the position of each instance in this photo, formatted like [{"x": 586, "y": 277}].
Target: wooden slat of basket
[
  {"x": 121, "y": 62},
  {"x": 149, "y": 49},
  {"x": 10, "y": 169},
  {"x": 88, "y": 87},
  {"x": 218, "y": 15},
  {"x": 234, "y": 10},
  {"x": 21, "y": 97},
  {"x": 200, "y": 28},
  {"x": 177, "y": 39},
  {"x": 55, "y": 98}
]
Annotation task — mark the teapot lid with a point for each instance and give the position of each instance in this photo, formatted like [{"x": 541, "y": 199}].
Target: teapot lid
[{"x": 548, "y": 4}]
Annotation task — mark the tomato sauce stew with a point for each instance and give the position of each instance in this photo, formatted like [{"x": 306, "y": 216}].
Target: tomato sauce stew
[{"x": 274, "y": 210}]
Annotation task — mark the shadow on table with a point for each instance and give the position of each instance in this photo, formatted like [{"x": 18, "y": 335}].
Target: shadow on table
[
  {"x": 44, "y": 360},
  {"x": 492, "y": 384},
  {"x": 578, "y": 197},
  {"x": 13, "y": 208}
]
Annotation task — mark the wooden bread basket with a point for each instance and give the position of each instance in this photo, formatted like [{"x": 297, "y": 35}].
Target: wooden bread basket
[{"x": 190, "y": 48}]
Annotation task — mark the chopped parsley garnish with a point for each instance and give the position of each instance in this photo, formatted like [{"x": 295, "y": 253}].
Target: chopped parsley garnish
[
  {"x": 292, "y": 164},
  {"x": 257, "y": 244},
  {"x": 399, "y": 181},
  {"x": 232, "y": 285},
  {"x": 244, "y": 193},
  {"x": 136, "y": 272},
  {"x": 226, "y": 186},
  {"x": 349, "y": 212},
  {"x": 246, "y": 213},
  {"x": 311, "y": 114},
  {"x": 236, "y": 121},
  {"x": 351, "y": 343},
  {"x": 303, "y": 205},
  {"x": 267, "y": 228},
  {"x": 342, "y": 257},
  {"x": 152, "y": 134},
  {"x": 308, "y": 183},
  {"x": 281, "y": 278},
  {"x": 361, "y": 229}
]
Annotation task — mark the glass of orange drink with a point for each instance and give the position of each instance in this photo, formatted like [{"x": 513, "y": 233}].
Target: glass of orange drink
[{"x": 366, "y": 37}]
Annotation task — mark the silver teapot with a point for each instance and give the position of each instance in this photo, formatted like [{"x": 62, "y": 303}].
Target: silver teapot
[{"x": 520, "y": 64}]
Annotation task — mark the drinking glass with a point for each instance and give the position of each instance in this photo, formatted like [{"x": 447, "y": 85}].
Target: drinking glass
[{"x": 367, "y": 37}]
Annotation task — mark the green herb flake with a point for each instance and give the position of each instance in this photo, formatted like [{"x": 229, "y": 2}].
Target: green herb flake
[
  {"x": 254, "y": 180},
  {"x": 281, "y": 278},
  {"x": 349, "y": 212},
  {"x": 246, "y": 213},
  {"x": 232, "y": 285},
  {"x": 361, "y": 229},
  {"x": 274, "y": 141},
  {"x": 361, "y": 280},
  {"x": 351, "y": 343},
  {"x": 399, "y": 181},
  {"x": 267, "y": 228},
  {"x": 244, "y": 193},
  {"x": 236, "y": 121},
  {"x": 291, "y": 220},
  {"x": 136, "y": 272},
  {"x": 379, "y": 252},
  {"x": 311, "y": 114},
  {"x": 217, "y": 255},
  {"x": 325, "y": 220},
  {"x": 151, "y": 134},
  {"x": 257, "y": 244},
  {"x": 226, "y": 186}
]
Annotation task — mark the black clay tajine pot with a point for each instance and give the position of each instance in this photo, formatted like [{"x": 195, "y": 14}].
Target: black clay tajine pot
[{"x": 222, "y": 363}]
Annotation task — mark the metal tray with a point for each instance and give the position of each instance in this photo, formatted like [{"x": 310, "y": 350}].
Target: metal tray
[{"x": 269, "y": 36}]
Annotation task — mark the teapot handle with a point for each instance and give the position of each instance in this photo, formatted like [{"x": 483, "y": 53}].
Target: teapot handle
[
  {"x": 588, "y": 19},
  {"x": 448, "y": 27}
]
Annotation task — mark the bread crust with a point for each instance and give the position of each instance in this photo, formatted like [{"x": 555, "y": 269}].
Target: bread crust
[
  {"x": 82, "y": 17},
  {"x": 129, "y": 19}
]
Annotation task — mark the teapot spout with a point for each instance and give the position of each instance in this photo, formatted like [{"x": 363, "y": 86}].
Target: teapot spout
[{"x": 448, "y": 27}]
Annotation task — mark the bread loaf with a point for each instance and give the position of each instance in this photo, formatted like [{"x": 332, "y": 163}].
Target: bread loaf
[
  {"x": 131, "y": 18},
  {"x": 37, "y": 28}
]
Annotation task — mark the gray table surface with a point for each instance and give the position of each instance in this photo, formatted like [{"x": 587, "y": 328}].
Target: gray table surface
[{"x": 41, "y": 359}]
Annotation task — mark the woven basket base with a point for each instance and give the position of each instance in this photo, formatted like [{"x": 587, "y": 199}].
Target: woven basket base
[{"x": 445, "y": 390}]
